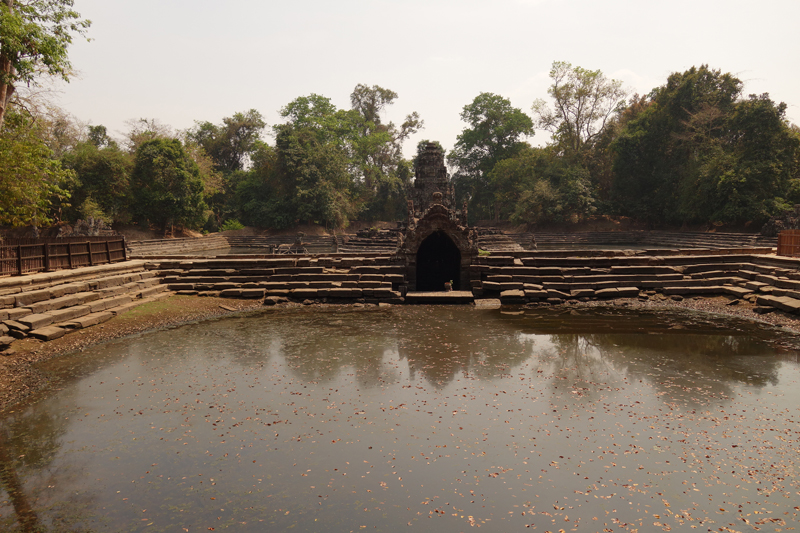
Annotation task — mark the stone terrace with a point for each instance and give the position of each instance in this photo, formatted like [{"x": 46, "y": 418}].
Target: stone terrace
[
  {"x": 48, "y": 305},
  {"x": 325, "y": 278},
  {"x": 767, "y": 280}
]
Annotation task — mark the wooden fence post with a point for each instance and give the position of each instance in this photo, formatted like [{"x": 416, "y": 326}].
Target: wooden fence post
[
  {"x": 89, "y": 247},
  {"x": 19, "y": 259},
  {"x": 69, "y": 254},
  {"x": 46, "y": 254}
]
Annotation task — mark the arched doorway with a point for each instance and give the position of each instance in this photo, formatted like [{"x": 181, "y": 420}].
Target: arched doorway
[{"x": 438, "y": 261}]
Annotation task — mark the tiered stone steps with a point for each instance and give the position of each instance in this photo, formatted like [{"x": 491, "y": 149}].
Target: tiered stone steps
[
  {"x": 767, "y": 281},
  {"x": 501, "y": 242},
  {"x": 278, "y": 244},
  {"x": 47, "y": 306},
  {"x": 307, "y": 278},
  {"x": 650, "y": 239},
  {"x": 159, "y": 247},
  {"x": 384, "y": 242}
]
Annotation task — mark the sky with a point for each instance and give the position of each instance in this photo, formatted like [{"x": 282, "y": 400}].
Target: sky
[{"x": 181, "y": 61}]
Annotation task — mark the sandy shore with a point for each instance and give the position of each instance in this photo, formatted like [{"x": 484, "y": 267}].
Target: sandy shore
[{"x": 19, "y": 376}]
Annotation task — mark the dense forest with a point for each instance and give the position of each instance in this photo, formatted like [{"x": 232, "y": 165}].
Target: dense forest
[{"x": 695, "y": 150}]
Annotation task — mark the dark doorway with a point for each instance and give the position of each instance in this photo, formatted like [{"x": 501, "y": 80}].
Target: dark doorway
[{"x": 438, "y": 261}]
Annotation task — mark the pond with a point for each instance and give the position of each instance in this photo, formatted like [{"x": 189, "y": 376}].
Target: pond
[{"x": 348, "y": 419}]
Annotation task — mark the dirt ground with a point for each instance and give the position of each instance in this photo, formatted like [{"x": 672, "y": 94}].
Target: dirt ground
[{"x": 19, "y": 376}]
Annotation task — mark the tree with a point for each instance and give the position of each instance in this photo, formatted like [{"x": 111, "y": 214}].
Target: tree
[
  {"x": 377, "y": 163},
  {"x": 230, "y": 144},
  {"x": 495, "y": 131},
  {"x": 34, "y": 37},
  {"x": 103, "y": 171},
  {"x": 32, "y": 181},
  {"x": 698, "y": 153},
  {"x": 584, "y": 102},
  {"x": 166, "y": 185},
  {"x": 539, "y": 185}
]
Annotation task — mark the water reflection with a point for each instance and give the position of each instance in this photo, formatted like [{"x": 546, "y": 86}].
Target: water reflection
[{"x": 380, "y": 418}]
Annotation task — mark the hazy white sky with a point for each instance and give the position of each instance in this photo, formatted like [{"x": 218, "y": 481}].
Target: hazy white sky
[{"x": 185, "y": 60}]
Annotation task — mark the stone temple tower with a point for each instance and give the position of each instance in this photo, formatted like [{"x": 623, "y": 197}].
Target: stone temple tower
[{"x": 437, "y": 246}]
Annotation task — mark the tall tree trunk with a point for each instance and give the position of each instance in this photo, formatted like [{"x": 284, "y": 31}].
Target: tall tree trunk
[{"x": 7, "y": 71}]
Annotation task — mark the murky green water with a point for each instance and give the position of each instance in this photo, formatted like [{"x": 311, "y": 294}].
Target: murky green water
[{"x": 446, "y": 418}]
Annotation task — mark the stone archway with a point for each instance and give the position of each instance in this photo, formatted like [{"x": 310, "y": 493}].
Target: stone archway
[{"x": 438, "y": 261}]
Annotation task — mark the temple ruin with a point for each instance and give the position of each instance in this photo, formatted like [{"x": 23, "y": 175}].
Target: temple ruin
[{"x": 437, "y": 245}]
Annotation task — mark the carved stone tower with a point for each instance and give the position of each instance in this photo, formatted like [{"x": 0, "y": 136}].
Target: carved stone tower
[{"x": 438, "y": 246}]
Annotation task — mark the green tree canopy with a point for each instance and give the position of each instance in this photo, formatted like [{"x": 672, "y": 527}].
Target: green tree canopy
[
  {"x": 495, "y": 132},
  {"x": 584, "y": 101},
  {"x": 166, "y": 185},
  {"x": 34, "y": 36},
  {"x": 231, "y": 143},
  {"x": 32, "y": 181},
  {"x": 697, "y": 153},
  {"x": 103, "y": 170}
]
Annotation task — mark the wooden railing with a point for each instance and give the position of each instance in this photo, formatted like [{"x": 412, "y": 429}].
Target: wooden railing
[
  {"x": 26, "y": 256},
  {"x": 789, "y": 243}
]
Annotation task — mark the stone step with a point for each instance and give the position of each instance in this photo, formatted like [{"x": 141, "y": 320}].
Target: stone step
[
  {"x": 784, "y": 303},
  {"x": 707, "y": 289},
  {"x": 48, "y": 333},
  {"x": 450, "y": 297},
  {"x": 85, "y": 321},
  {"x": 64, "y": 301}
]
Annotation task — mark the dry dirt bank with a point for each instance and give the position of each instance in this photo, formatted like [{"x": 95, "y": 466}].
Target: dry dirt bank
[{"x": 19, "y": 376}]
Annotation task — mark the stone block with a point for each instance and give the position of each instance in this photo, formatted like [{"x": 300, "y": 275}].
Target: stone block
[
  {"x": 13, "y": 325},
  {"x": 532, "y": 294},
  {"x": 512, "y": 296},
  {"x": 107, "y": 303},
  {"x": 304, "y": 293},
  {"x": 384, "y": 292},
  {"x": 55, "y": 303},
  {"x": 62, "y": 315},
  {"x": 276, "y": 292},
  {"x": 345, "y": 293},
  {"x": 582, "y": 293},
  {"x": 224, "y": 285},
  {"x": 491, "y": 286},
  {"x": 152, "y": 291},
  {"x": 739, "y": 292},
  {"x": 36, "y": 321},
  {"x": 88, "y": 320},
  {"x": 511, "y": 286},
  {"x": 552, "y": 293},
  {"x": 784, "y": 303},
  {"x": 611, "y": 292},
  {"x": 48, "y": 333},
  {"x": 252, "y": 294},
  {"x": 230, "y": 293},
  {"x": 30, "y": 297},
  {"x": 3, "y": 314},
  {"x": 180, "y": 286},
  {"x": 628, "y": 292},
  {"x": 5, "y": 341}
]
